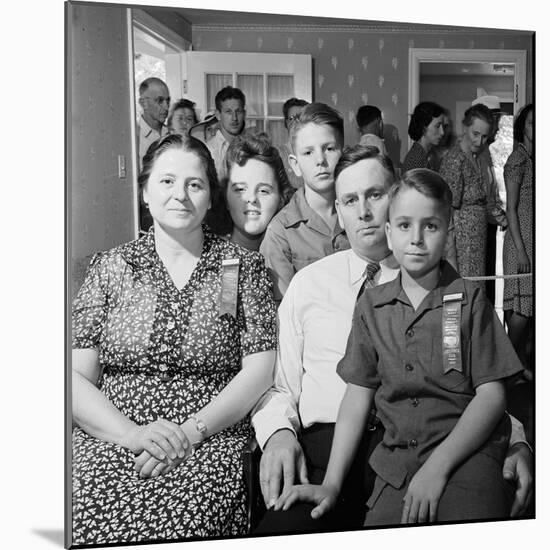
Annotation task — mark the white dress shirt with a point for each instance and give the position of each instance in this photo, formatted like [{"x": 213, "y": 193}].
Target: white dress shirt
[
  {"x": 315, "y": 318},
  {"x": 371, "y": 139},
  {"x": 218, "y": 146},
  {"x": 314, "y": 323},
  {"x": 147, "y": 136}
]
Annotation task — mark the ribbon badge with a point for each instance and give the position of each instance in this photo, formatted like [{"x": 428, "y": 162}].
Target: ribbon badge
[
  {"x": 452, "y": 313},
  {"x": 229, "y": 287}
]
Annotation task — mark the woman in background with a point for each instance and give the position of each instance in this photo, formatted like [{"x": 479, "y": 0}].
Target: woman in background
[
  {"x": 463, "y": 173},
  {"x": 171, "y": 350},
  {"x": 182, "y": 117},
  {"x": 518, "y": 241},
  {"x": 256, "y": 188},
  {"x": 426, "y": 128}
]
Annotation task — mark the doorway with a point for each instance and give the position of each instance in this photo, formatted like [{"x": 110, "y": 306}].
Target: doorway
[{"x": 454, "y": 78}]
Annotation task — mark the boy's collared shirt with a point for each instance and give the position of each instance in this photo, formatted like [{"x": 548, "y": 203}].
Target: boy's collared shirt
[
  {"x": 296, "y": 237},
  {"x": 398, "y": 351}
]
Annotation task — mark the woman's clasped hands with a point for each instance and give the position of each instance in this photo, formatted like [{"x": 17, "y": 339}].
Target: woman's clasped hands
[{"x": 159, "y": 447}]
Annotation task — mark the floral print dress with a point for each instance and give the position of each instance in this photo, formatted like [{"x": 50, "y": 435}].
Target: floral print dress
[
  {"x": 165, "y": 353},
  {"x": 518, "y": 293},
  {"x": 417, "y": 158},
  {"x": 469, "y": 211}
]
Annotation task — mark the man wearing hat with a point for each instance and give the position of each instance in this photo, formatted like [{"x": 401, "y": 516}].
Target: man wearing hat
[
  {"x": 205, "y": 129},
  {"x": 495, "y": 210}
]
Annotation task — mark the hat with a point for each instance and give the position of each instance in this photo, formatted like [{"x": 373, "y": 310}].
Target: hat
[
  {"x": 201, "y": 126},
  {"x": 490, "y": 101}
]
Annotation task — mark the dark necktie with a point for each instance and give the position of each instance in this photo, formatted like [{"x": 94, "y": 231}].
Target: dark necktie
[{"x": 370, "y": 271}]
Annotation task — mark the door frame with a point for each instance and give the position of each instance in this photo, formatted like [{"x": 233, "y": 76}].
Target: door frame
[{"x": 442, "y": 55}]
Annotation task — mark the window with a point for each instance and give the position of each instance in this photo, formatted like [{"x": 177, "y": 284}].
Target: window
[{"x": 267, "y": 80}]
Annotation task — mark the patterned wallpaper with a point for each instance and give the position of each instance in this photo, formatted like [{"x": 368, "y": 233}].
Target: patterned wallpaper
[
  {"x": 354, "y": 66},
  {"x": 101, "y": 203}
]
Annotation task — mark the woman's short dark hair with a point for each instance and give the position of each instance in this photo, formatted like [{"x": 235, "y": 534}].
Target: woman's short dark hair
[
  {"x": 519, "y": 123},
  {"x": 259, "y": 147},
  {"x": 421, "y": 118},
  {"x": 182, "y": 104},
  {"x": 188, "y": 144},
  {"x": 242, "y": 149},
  {"x": 478, "y": 111},
  {"x": 352, "y": 155},
  {"x": 427, "y": 182}
]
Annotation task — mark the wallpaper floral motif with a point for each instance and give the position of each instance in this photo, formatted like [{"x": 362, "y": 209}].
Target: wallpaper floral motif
[{"x": 354, "y": 67}]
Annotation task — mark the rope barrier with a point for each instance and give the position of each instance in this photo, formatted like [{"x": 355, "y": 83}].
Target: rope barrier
[{"x": 494, "y": 277}]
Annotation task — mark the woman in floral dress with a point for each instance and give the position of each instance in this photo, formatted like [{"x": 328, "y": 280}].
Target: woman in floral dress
[
  {"x": 463, "y": 173},
  {"x": 172, "y": 348},
  {"x": 426, "y": 128},
  {"x": 518, "y": 241}
]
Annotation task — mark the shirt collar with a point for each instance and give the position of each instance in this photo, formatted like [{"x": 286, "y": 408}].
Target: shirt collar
[
  {"x": 449, "y": 282},
  {"x": 298, "y": 210},
  {"x": 357, "y": 266},
  {"x": 146, "y": 130},
  {"x": 141, "y": 253}
]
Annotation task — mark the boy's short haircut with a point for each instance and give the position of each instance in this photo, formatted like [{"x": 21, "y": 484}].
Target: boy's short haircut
[
  {"x": 321, "y": 114},
  {"x": 356, "y": 153},
  {"x": 292, "y": 102},
  {"x": 367, "y": 114},
  {"x": 229, "y": 93},
  {"x": 427, "y": 182}
]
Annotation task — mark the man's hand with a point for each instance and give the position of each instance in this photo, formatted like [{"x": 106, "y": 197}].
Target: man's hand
[
  {"x": 518, "y": 469},
  {"x": 282, "y": 458},
  {"x": 323, "y": 496}
]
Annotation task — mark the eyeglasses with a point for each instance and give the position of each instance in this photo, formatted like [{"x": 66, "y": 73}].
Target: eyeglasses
[
  {"x": 158, "y": 100},
  {"x": 293, "y": 118}
]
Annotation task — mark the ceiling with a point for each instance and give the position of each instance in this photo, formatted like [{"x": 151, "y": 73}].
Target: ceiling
[{"x": 197, "y": 17}]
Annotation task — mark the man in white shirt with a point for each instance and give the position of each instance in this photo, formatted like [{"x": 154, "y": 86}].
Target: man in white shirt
[
  {"x": 294, "y": 420},
  {"x": 154, "y": 99},
  {"x": 231, "y": 113},
  {"x": 371, "y": 127}
]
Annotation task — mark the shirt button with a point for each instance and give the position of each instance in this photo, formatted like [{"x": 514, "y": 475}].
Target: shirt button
[
  {"x": 410, "y": 333},
  {"x": 414, "y": 402},
  {"x": 413, "y": 443},
  {"x": 409, "y": 367}
]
